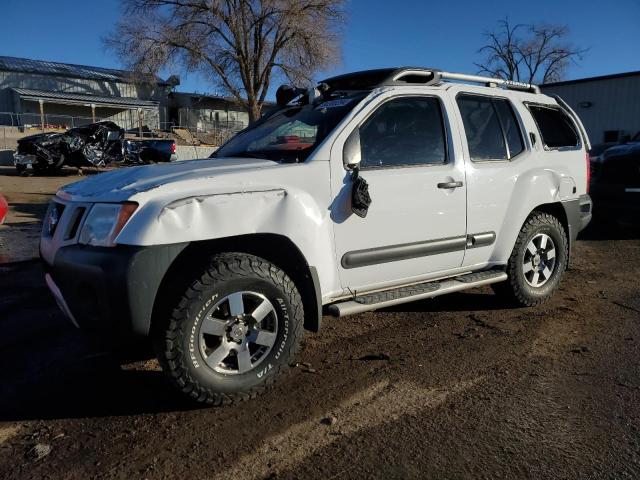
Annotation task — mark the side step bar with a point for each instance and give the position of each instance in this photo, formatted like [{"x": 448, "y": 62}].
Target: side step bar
[{"x": 373, "y": 301}]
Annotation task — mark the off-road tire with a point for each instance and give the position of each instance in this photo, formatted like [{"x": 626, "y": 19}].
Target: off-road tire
[
  {"x": 174, "y": 340},
  {"x": 515, "y": 289}
]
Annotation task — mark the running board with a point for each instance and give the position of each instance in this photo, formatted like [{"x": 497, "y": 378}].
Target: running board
[{"x": 373, "y": 301}]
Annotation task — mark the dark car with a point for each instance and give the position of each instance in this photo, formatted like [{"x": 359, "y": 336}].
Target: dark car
[
  {"x": 615, "y": 184},
  {"x": 98, "y": 144},
  {"x": 599, "y": 148}
]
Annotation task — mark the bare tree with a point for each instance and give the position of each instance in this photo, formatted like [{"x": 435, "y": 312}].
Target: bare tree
[
  {"x": 239, "y": 44},
  {"x": 528, "y": 53}
]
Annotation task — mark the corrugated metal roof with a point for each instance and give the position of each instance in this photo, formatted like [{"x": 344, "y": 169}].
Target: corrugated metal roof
[
  {"x": 82, "y": 99},
  {"x": 26, "y": 65},
  {"x": 591, "y": 79}
]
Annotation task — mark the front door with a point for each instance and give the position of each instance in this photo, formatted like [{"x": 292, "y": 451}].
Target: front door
[{"x": 416, "y": 224}]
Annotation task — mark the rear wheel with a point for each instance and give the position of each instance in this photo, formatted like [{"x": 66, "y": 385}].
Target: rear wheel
[
  {"x": 537, "y": 263},
  {"x": 235, "y": 329}
]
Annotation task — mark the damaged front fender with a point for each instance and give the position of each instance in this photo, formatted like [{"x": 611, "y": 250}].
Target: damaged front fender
[
  {"x": 218, "y": 215},
  {"x": 186, "y": 214}
]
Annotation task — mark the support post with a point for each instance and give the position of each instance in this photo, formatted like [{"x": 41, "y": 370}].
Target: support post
[
  {"x": 93, "y": 112},
  {"x": 140, "y": 122},
  {"x": 41, "y": 102}
]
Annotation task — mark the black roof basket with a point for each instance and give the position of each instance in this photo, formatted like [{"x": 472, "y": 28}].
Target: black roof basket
[{"x": 370, "y": 79}]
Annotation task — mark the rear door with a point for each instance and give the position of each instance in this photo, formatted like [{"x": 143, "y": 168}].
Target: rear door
[{"x": 497, "y": 155}]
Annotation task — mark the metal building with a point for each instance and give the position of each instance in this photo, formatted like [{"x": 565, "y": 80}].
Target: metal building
[
  {"x": 609, "y": 106},
  {"x": 203, "y": 113},
  {"x": 60, "y": 95}
]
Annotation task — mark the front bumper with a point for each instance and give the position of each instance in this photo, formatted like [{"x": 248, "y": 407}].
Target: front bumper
[{"x": 109, "y": 288}]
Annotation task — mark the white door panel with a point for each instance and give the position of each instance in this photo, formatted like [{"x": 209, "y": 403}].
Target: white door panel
[{"x": 413, "y": 227}]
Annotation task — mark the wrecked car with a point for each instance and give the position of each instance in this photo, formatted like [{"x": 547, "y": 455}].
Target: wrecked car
[
  {"x": 370, "y": 190},
  {"x": 98, "y": 145}
]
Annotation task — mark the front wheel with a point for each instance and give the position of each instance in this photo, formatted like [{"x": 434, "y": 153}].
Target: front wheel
[
  {"x": 235, "y": 329},
  {"x": 537, "y": 263}
]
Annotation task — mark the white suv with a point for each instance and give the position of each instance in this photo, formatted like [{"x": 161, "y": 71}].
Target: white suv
[{"x": 373, "y": 189}]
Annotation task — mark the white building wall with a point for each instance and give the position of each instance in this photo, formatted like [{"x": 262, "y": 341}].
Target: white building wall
[{"x": 615, "y": 104}]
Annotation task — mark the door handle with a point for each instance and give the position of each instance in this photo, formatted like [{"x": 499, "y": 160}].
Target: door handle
[{"x": 450, "y": 185}]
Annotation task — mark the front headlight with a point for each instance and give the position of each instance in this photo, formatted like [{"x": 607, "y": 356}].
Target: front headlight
[{"x": 104, "y": 222}]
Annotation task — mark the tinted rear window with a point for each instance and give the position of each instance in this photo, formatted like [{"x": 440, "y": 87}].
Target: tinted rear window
[
  {"x": 556, "y": 129},
  {"x": 510, "y": 126},
  {"x": 482, "y": 128}
]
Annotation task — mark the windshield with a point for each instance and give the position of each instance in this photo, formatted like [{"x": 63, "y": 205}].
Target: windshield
[{"x": 290, "y": 135}]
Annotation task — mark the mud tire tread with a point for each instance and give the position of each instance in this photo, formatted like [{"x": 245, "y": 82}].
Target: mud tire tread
[
  {"x": 511, "y": 290},
  {"x": 169, "y": 340}
]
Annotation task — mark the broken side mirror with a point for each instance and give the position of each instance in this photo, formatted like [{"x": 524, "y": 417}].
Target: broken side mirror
[
  {"x": 360, "y": 199},
  {"x": 351, "y": 154}
]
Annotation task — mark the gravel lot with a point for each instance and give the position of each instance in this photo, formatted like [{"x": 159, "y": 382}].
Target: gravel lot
[{"x": 455, "y": 387}]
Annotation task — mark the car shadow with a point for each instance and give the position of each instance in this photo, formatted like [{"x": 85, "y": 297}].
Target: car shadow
[
  {"x": 27, "y": 212},
  {"x": 63, "y": 172},
  {"x": 59, "y": 372},
  {"x": 611, "y": 230},
  {"x": 93, "y": 391},
  {"x": 53, "y": 370}
]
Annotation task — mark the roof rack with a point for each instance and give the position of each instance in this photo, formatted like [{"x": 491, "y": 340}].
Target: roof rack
[
  {"x": 370, "y": 79},
  {"x": 491, "y": 82}
]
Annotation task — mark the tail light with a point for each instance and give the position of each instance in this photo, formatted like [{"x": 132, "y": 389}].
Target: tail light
[
  {"x": 173, "y": 147},
  {"x": 588, "y": 160}
]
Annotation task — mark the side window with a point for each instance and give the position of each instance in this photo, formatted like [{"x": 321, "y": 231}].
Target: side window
[
  {"x": 482, "y": 128},
  {"x": 404, "y": 131},
  {"x": 510, "y": 125},
  {"x": 556, "y": 129}
]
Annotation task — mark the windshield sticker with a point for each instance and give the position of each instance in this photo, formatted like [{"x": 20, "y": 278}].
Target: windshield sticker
[{"x": 341, "y": 102}]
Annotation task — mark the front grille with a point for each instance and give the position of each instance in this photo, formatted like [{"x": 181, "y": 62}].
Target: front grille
[
  {"x": 54, "y": 215},
  {"x": 74, "y": 223},
  {"x": 61, "y": 226}
]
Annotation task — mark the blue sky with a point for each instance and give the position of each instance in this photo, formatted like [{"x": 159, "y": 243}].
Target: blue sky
[{"x": 442, "y": 34}]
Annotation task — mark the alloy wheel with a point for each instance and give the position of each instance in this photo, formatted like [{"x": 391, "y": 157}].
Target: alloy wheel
[
  {"x": 539, "y": 260},
  {"x": 238, "y": 332}
]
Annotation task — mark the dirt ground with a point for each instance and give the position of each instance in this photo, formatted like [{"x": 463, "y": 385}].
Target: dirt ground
[
  {"x": 456, "y": 387},
  {"x": 28, "y": 198}
]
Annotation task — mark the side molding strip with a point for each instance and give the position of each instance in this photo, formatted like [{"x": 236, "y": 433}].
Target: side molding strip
[
  {"x": 394, "y": 253},
  {"x": 481, "y": 239}
]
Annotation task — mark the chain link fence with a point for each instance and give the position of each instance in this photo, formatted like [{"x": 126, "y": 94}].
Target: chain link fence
[{"x": 14, "y": 126}]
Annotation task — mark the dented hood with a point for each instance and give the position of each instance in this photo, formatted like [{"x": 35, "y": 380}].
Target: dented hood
[{"x": 122, "y": 184}]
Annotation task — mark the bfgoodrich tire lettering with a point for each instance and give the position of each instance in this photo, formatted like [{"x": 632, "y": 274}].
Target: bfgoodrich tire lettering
[
  {"x": 519, "y": 288},
  {"x": 184, "y": 354}
]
